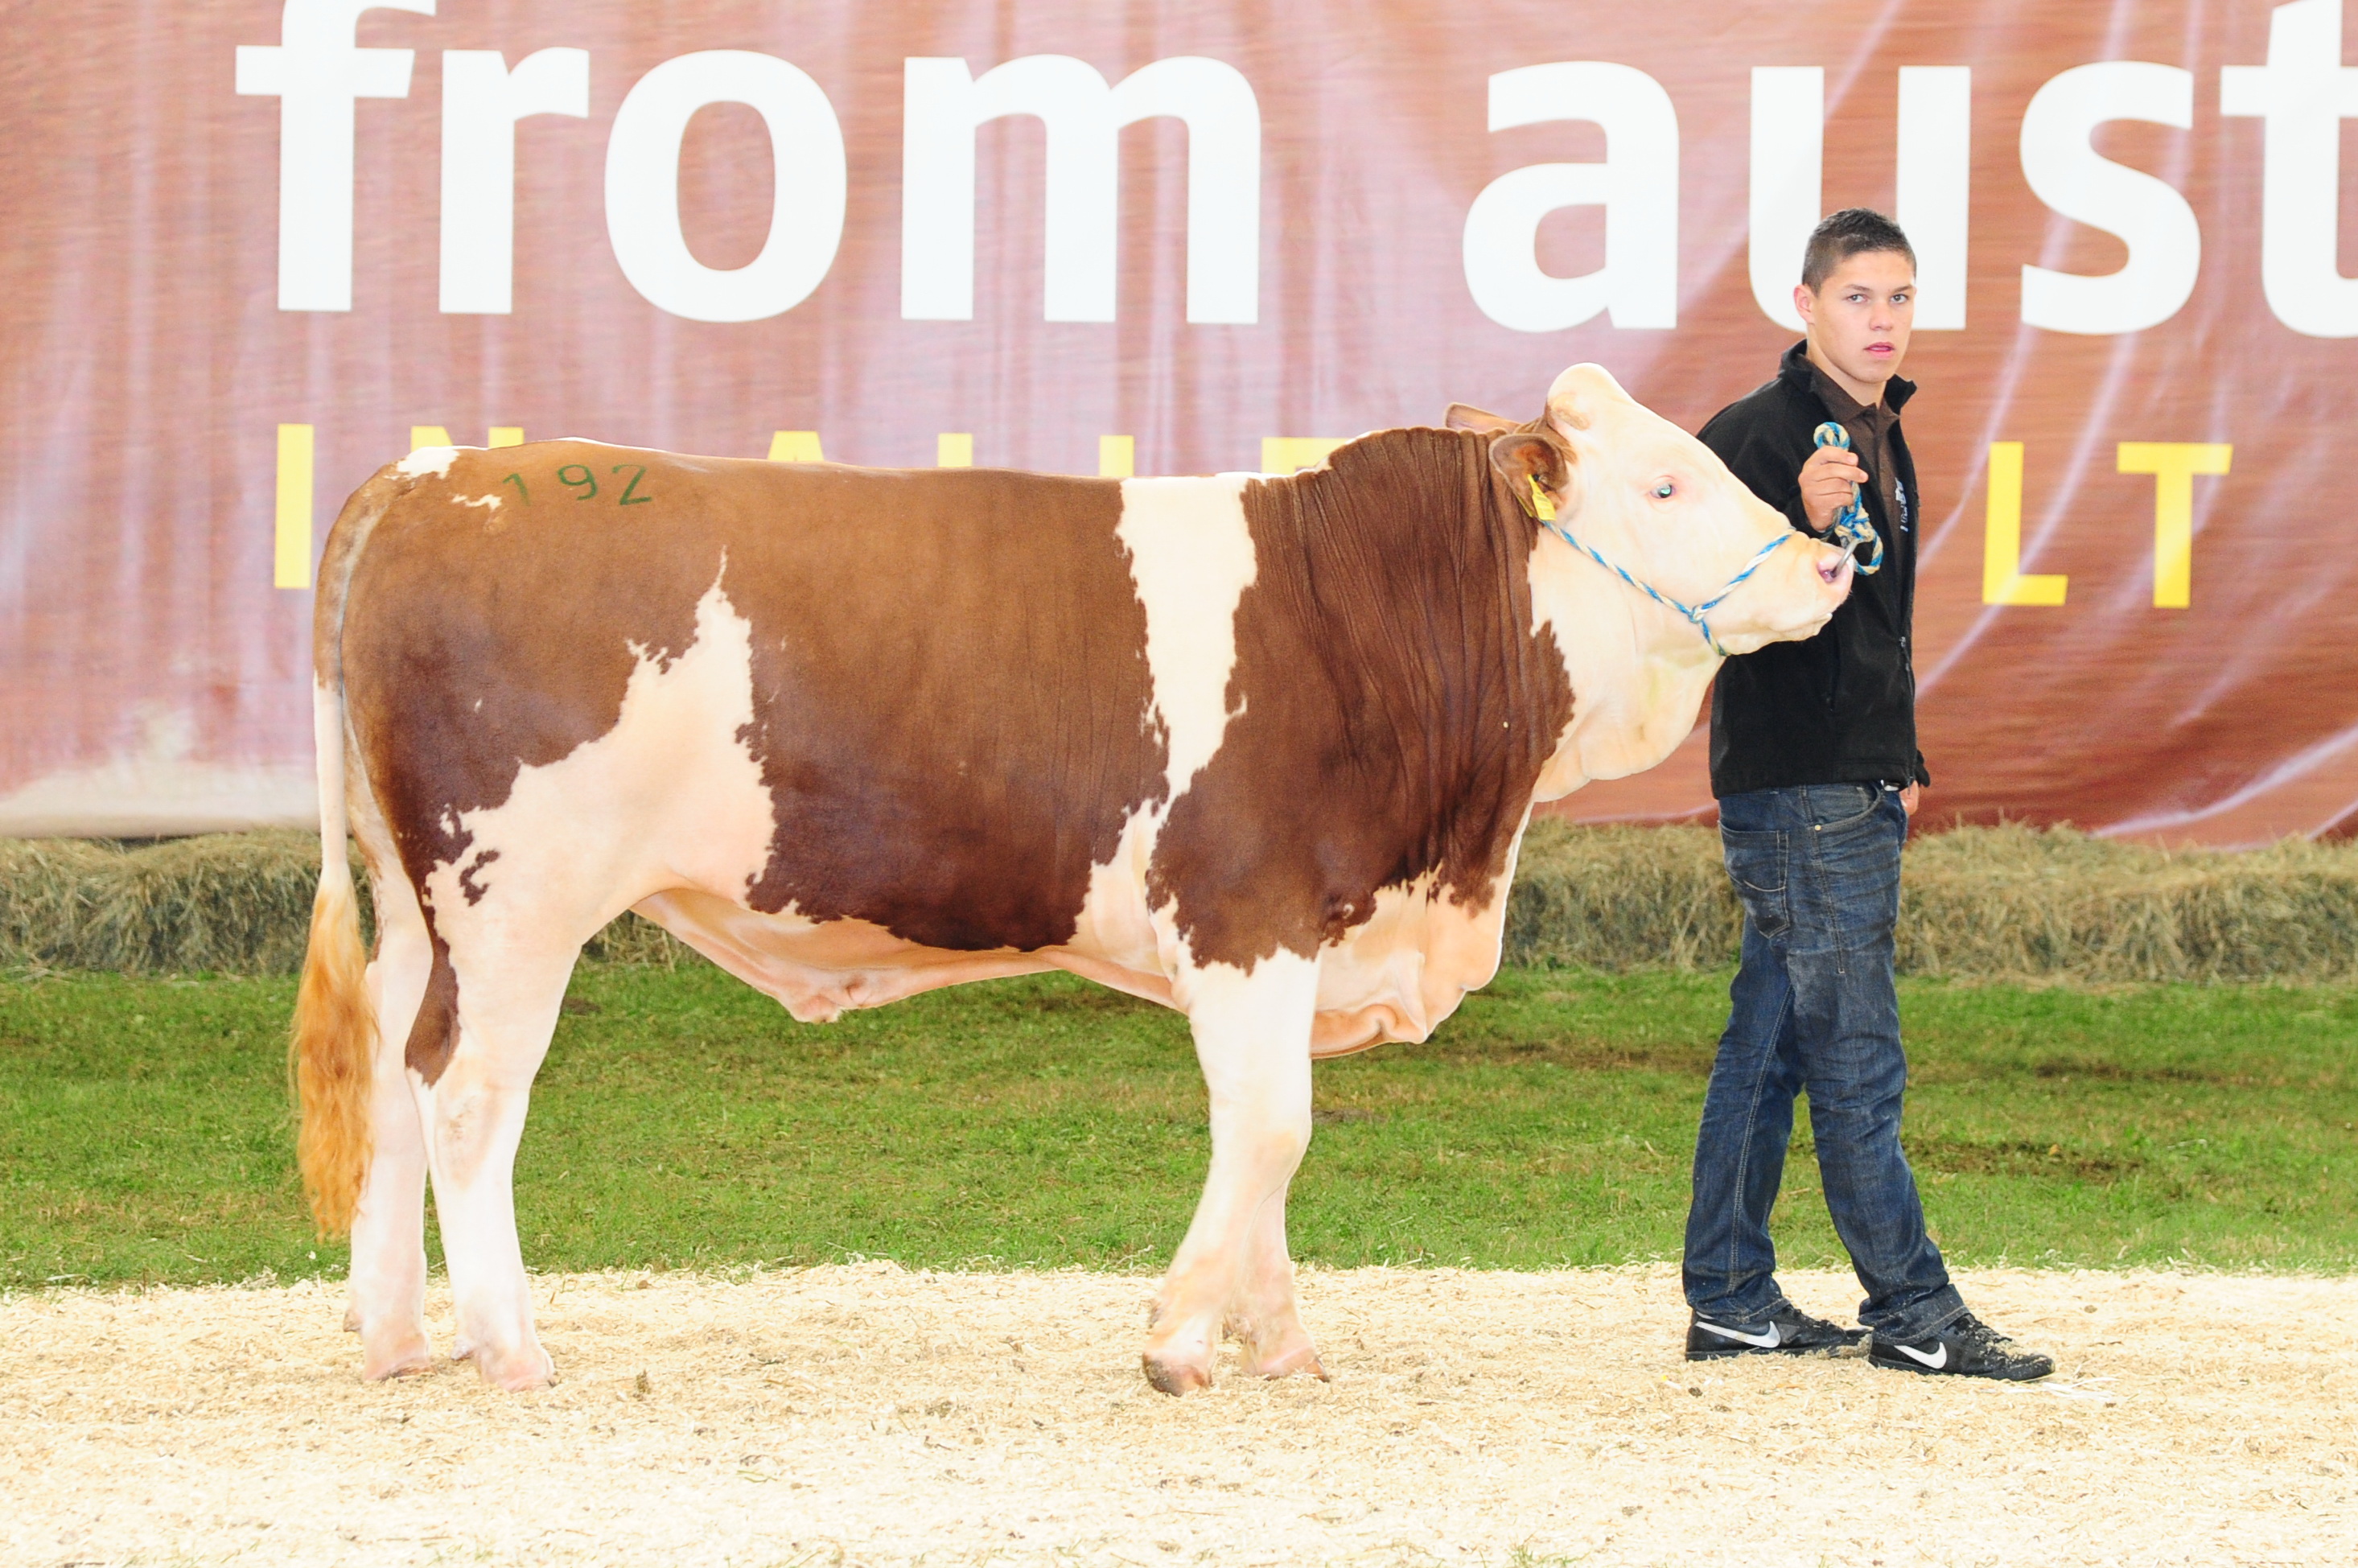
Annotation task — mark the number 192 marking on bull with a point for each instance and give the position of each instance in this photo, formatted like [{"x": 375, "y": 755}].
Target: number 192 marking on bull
[{"x": 577, "y": 478}]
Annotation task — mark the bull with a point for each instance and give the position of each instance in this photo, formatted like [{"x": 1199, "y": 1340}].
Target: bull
[{"x": 1261, "y": 749}]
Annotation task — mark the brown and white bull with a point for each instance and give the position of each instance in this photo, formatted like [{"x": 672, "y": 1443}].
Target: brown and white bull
[{"x": 1259, "y": 748}]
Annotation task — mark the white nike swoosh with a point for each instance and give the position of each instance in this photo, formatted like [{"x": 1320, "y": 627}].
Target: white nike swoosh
[
  {"x": 1937, "y": 1360},
  {"x": 1769, "y": 1341}
]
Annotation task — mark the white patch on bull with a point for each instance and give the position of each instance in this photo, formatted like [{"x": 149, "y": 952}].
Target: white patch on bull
[
  {"x": 669, "y": 798},
  {"x": 1395, "y": 977},
  {"x": 1403, "y": 971},
  {"x": 1240, "y": 1018},
  {"x": 1191, "y": 557},
  {"x": 435, "y": 461},
  {"x": 820, "y": 969},
  {"x": 1632, "y": 702},
  {"x": 1117, "y": 941},
  {"x": 488, "y": 503}
]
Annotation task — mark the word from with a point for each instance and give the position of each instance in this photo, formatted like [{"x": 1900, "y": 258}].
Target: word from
[{"x": 317, "y": 74}]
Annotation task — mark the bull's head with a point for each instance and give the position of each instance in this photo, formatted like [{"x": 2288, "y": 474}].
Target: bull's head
[{"x": 1633, "y": 491}]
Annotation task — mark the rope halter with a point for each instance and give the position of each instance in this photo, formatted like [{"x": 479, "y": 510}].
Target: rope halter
[
  {"x": 1540, "y": 507},
  {"x": 1852, "y": 528}
]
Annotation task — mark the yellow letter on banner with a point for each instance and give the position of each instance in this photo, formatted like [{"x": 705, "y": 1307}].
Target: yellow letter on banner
[
  {"x": 1284, "y": 454},
  {"x": 2173, "y": 465},
  {"x": 954, "y": 451},
  {"x": 1117, "y": 456},
  {"x": 2003, "y": 582},
  {"x": 291, "y": 560},
  {"x": 506, "y": 436},
  {"x": 794, "y": 447}
]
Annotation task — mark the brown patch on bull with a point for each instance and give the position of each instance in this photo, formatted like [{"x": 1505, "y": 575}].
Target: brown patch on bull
[
  {"x": 434, "y": 1033},
  {"x": 467, "y": 882},
  {"x": 958, "y": 740},
  {"x": 1394, "y": 705},
  {"x": 355, "y": 526},
  {"x": 952, "y": 704}
]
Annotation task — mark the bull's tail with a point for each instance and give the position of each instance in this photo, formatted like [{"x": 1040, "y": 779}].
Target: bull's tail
[{"x": 332, "y": 1048}]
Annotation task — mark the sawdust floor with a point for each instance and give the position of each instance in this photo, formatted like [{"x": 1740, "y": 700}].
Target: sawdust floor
[{"x": 865, "y": 1414}]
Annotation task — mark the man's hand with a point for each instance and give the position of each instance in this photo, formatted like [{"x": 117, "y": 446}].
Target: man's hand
[
  {"x": 1826, "y": 480},
  {"x": 1909, "y": 796}
]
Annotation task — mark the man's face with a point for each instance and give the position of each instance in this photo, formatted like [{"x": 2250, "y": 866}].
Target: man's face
[{"x": 1861, "y": 316}]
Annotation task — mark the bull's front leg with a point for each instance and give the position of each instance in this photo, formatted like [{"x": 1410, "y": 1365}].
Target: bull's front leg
[
  {"x": 1252, "y": 1038},
  {"x": 1265, "y": 1319}
]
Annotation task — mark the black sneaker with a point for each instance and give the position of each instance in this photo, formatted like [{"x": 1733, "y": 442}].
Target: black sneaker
[
  {"x": 1966, "y": 1348},
  {"x": 1790, "y": 1332}
]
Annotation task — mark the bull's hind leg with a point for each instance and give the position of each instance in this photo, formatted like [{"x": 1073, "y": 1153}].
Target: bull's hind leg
[
  {"x": 388, "y": 1271},
  {"x": 505, "y": 1003},
  {"x": 1252, "y": 1038}
]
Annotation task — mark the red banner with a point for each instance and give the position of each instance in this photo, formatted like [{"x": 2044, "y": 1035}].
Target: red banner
[{"x": 256, "y": 250}]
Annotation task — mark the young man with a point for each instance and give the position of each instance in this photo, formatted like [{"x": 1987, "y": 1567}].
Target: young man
[{"x": 1813, "y": 759}]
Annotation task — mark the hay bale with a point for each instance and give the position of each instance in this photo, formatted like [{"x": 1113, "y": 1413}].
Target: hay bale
[
  {"x": 2015, "y": 901},
  {"x": 45, "y": 890},
  {"x": 226, "y": 902},
  {"x": 2007, "y": 903},
  {"x": 1980, "y": 903},
  {"x": 1619, "y": 898},
  {"x": 231, "y": 904}
]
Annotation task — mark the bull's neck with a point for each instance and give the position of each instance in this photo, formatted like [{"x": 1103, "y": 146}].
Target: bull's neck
[
  {"x": 1637, "y": 673},
  {"x": 1454, "y": 689}
]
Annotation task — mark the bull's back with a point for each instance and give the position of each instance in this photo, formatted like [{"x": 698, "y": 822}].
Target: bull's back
[{"x": 945, "y": 669}]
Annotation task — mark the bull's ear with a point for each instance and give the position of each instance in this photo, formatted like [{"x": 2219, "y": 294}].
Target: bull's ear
[
  {"x": 1465, "y": 416},
  {"x": 1524, "y": 455}
]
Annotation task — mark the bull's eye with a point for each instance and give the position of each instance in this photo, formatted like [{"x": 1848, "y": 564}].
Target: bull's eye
[{"x": 1665, "y": 490}]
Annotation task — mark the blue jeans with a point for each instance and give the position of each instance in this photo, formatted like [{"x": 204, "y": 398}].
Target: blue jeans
[{"x": 1813, "y": 1007}]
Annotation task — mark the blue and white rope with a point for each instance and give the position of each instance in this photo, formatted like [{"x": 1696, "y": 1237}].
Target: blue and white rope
[
  {"x": 1694, "y": 613},
  {"x": 1852, "y": 528}
]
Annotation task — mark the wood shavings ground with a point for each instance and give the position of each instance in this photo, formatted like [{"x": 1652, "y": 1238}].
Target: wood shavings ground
[{"x": 864, "y": 1414}]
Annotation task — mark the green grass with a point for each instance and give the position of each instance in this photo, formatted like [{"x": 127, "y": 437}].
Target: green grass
[{"x": 684, "y": 1121}]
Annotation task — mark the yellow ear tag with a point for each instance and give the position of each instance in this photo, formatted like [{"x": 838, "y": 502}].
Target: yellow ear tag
[{"x": 1541, "y": 507}]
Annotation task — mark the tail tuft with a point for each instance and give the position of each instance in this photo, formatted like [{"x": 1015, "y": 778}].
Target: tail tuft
[{"x": 332, "y": 1052}]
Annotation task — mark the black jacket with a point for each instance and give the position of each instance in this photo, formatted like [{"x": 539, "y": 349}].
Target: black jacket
[{"x": 1841, "y": 708}]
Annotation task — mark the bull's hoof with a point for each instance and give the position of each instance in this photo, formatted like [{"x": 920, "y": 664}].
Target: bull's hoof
[
  {"x": 1297, "y": 1360},
  {"x": 399, "y": 1356},
  {"x": 1174, "y": 1376},
  {"x": 518, "y": 1371}
]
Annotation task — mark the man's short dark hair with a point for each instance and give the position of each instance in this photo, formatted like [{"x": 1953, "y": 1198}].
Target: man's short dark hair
[{"x": 1841, "y": 235}]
